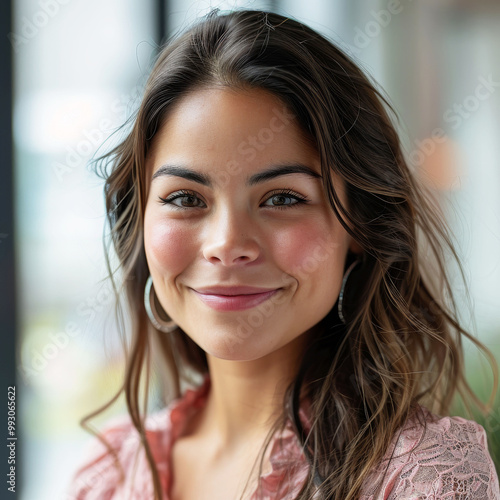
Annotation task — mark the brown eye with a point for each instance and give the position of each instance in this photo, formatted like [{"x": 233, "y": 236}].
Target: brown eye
[
  {"x": 188, "y": 199},
  {"x": 279, "y": 199}
]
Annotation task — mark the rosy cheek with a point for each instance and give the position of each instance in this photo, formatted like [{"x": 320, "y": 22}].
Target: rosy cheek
[
  {"x": 168, "y": 246},
  {"x": 309, "y": 248}
]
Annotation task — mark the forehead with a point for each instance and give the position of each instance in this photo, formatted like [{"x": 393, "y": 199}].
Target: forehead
[{"x": 214, "y": 127}]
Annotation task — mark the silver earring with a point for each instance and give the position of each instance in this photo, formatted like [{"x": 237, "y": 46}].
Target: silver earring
[
  {"x": 149, "y": 304},
  {"x": 342, "y": 289}
]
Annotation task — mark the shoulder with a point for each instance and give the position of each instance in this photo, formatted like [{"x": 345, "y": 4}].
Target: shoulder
[
  {"x": 101, "y": 475},
  {"x": 439, "y": 458}
]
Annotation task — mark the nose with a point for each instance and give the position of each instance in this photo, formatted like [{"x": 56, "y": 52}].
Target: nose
[{"x": 230, "y": 238}]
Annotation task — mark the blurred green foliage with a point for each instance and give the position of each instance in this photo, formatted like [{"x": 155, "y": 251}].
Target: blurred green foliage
[{"x": 480, "y": 378}]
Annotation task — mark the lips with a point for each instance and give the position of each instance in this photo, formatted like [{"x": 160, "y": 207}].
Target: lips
[
  {"x": 234, "y": 298},
  {"x": 232, "y": 290}
]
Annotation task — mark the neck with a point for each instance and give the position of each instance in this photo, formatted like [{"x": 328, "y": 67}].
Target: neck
[{"x": 246, "y": 397}]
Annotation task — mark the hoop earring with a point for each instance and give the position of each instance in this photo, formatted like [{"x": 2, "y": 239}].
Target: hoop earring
[
  {"x": 149, "y": 304},
  {"x": 342, "y": 289}
]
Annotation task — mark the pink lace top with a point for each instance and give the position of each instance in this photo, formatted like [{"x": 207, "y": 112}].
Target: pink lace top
[{"x": 451, "y": 460}]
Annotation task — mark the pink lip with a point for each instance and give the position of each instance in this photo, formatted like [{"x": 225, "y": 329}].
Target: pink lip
[
  {"x": 232, "y": 290},
  {"x": 232, "y": 302}
]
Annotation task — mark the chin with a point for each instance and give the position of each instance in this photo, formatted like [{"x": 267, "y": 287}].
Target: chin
[
  {"x": 232, "y": 351},
  {"x": 232, "y": 348}
]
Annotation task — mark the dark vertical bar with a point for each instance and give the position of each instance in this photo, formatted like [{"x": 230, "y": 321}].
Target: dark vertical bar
[
  {"x": 8, "y": 324},
  {"x": 161, "y": 20}
]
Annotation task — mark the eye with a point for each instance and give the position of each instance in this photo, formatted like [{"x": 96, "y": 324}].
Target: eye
[
  {"x": 187, "y": 198},
  {"x": 280, "y": 197}
]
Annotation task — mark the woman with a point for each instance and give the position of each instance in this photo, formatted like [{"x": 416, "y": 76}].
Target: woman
[{"x": 271, "y": 241}]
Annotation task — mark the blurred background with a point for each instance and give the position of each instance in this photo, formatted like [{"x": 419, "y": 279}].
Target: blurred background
[{"x": 78, "y": 67}]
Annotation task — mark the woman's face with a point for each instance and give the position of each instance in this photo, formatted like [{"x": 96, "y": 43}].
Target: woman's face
[{"x": 230, "y": 204}]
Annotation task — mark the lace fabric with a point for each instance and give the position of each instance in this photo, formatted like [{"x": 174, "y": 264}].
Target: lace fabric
[{"x": 448, "y": 459}]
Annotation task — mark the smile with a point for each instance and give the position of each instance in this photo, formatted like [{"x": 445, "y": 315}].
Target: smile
[{"x": 234, "y": 302}]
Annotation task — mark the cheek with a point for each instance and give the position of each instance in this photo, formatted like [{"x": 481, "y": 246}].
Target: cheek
[
  {"x": 312, "y": 249},
  {"x": 167, "y": 246}
]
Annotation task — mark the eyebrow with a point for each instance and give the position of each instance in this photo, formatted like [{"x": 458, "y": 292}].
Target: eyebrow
[{"x": 265, "y": 175}]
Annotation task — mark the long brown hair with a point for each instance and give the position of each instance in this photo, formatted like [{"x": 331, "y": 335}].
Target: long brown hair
[{"x": 401, "y": 346}]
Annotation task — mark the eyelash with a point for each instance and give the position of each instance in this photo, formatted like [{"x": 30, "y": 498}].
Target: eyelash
[{"x": 284, "y": 192}]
